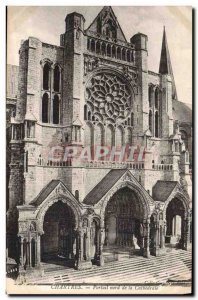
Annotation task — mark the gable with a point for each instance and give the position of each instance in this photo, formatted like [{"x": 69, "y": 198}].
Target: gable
[
  {"x": 106, "y": 24},
  {"x": 54, "y": 186},
  {"x": 103, "y": 186},
  {"x": 113, "y": 178}
]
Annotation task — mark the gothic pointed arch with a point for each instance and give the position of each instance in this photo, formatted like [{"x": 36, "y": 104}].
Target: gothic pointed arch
[{"x": 52, "y": 193}]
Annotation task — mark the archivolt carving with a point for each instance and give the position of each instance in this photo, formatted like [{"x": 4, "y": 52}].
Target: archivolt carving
[
  {"x": 145, "y": 202},
  {"x": 49, "y": 202},
  {"x": 177, "y": 194}
]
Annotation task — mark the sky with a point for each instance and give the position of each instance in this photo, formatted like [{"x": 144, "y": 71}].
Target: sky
[{"x": 47, "y": 23}]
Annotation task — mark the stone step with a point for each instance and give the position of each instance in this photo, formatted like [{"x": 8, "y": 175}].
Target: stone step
[{"x": 157, "y": 269}]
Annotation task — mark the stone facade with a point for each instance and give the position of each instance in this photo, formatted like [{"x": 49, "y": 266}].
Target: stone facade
[{"x": 93, "y": 90}]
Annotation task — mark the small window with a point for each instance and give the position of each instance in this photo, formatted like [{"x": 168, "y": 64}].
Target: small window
[
  {"x": 132, "y": 119},
  {"x": 123, "y": 54},
  {"x": 108, "y": 50},
  {"x": 114, "y": 51},
  {"x": 98, "y": 47},
  {"x": 77, "y": 194},
  {"x": 85, "y": 112},
  {"x": 92, "y": 45},
  {"x": 103, "y": 48},
  {"x": 128, "y": 56},
  {"x": 118, "y": 53}
]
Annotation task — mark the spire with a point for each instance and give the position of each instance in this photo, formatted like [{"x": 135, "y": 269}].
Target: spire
[{"x": 165, "y": 64}]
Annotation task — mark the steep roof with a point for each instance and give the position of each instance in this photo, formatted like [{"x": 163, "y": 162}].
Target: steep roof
[
  {"x": 163, "y": 189},
  {"x": 45, "y": 192},
  {"x": 182, "y": 112},
  {"x": 165, "y": 66},
  {"x": 103, "y": 186}
]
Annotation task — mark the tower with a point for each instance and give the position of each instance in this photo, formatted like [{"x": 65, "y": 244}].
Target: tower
[
  {"x": 141, "y": 62},
  {"x": 168, "y": 88}
]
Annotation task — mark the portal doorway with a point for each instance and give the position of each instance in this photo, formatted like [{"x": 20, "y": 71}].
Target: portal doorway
[
  {"x": 175, "y": 223},
  {"x": 123, "y": 222},
  {"x": 58, "y": 240}
]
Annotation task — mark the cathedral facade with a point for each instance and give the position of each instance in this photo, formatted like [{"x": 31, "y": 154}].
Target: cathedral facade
[{"x": 98, "y": 162}]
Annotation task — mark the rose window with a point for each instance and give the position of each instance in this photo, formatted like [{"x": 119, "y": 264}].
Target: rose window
[{"x": 109, "y": 96}]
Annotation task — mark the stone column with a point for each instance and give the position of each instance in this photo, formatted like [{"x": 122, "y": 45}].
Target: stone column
[
  {"x": 163, "y": 235},
  {"x": 30, "y": 253},
  {"x": 38, "y": 250},
  {"x": 101, "y": 235},
  {"x": 146, "y": 251},
  {"x": 81, "y": 264},
  {"x": 186, "y": 233},
  {"x": 21, "y": 256},
  {"x": 88, "y": 244},
  {"x": 142, "y": 237}
]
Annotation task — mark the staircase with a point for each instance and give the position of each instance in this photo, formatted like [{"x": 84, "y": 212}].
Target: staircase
[{"x": 175, "y": 265}]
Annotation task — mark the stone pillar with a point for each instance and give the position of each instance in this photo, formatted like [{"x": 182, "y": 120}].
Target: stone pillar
[
  {"x": 142, "y": 238},
  {"x": 186, "y": 233},
  {"x": 163, "y": 235},
  {"x": 146, "y": 250},
  {"x": 38, "y": 250},
  {"x": 21, "y": 256},
  {"x": 88, "y": 244},
  {"x": 30, "y": 253},
  {"x": 101, "y": 234},
  {"x": 27, "y": 254},
  {"x": 80, "y": 263}
]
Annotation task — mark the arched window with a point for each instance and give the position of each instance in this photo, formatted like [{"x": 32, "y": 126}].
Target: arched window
[
  {"x": 128, "y": 56},
  {"x": 123, "y": 54},
  {"x": 45, "y": 108},
  {"x": 128, "y": 136},
  {"x": 77, "y": 194},
  {"x": 88, "y": 43},
  {"x": 89, "y": 115},
  {"x": 132, "y": 119},
  {"x": 156, "y": 98},
  {"x": 92, "y": 45},
  {"x": 150, "y": 96},
  {"x": 113, "y": 51},
  {"x": 118, "y": 53},
  {"x": 57, "y": 79},
  {"x": 107, "y": 31},
  {"x": 85, "y": 112},
  {"x": 119, "y": 137},
  {"x": 46, "y": 76},
  {"x": 184, "y": 137},
  {"x": 108, "y": 50},
  {"x": 56, "y": 110},
  {"x": 103, "y": 48},
  {"x": 150, "y": 121},
  {"x": 98, "y": 47},
  {"x": 109, "y": 136},
  {"x": 156, "y": 125},
  {"x": 99, "y": 135}
]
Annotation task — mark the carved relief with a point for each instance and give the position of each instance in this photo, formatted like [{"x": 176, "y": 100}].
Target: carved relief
[
  {"x": 32, "y": 226},
  {"x": 22, "y": 227}
]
